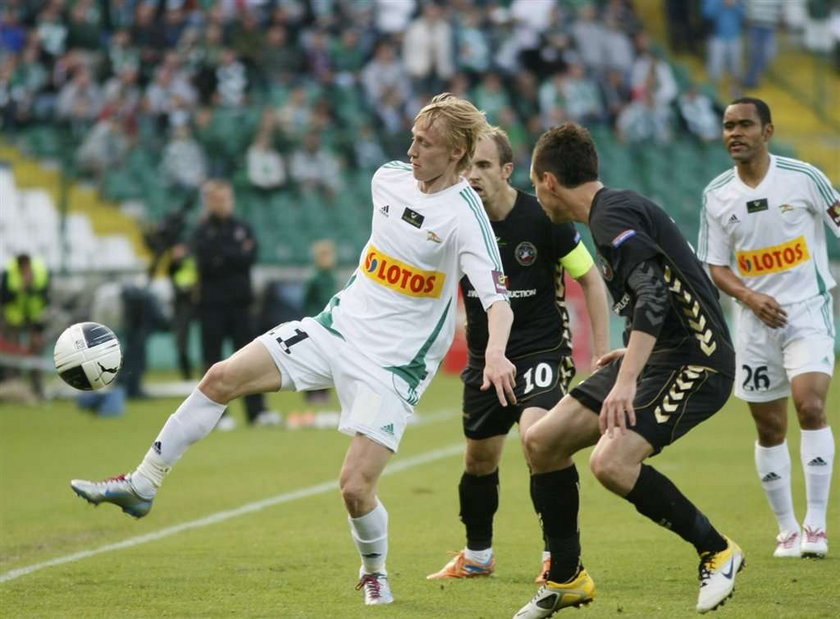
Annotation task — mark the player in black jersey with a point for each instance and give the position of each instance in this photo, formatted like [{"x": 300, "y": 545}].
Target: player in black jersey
[
  {"x": 535, "y": 254},
  {"x": 676, "y": 371}
]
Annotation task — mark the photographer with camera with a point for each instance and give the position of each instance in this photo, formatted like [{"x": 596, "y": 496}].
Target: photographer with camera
[{"x": 225, "y": 250}]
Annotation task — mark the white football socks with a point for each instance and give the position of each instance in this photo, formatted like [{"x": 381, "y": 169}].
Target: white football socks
[
  {"x": 195, "y": 418},
  {"x": 370, "y": 533},
  {"x": 773, "y": 465},
  {"x": 479, "y": 556},
  {"x": 817, "y": 452}
]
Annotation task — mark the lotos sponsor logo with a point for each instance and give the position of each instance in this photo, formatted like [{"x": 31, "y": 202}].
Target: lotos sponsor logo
[
  {"x": 401, "y": 277},
  {"x": 773, "y": 259}
]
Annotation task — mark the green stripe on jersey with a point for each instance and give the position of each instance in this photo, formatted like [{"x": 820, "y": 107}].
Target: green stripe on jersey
[
  {"x": 797, "y": 166},
  {"x": 720, "y": 180},
  {"x": 486, "y": 232},
  {"x": 578, "y": 261},
  {"x": 397, "y": 165},
  {"x": 415, "y": 371}
]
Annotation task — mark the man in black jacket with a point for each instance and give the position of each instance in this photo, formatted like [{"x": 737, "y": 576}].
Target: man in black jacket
[{"x": 225, "y": 249}]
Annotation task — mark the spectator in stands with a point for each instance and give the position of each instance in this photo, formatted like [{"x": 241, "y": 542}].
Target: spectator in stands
[
  {"x": 295, "y": 115},
  {"x": 225, "y": 250},
  {"x": 651, "y": 72},
  {"x": 27, "y": 86},
  {"x": 527, "y": 99},
  {"x": 247, "y": 37},
  {"x": 231, "y": 80},
  {"x": 616, "y": 94},
  {"x": 472, "y": 47},
  {"x": 589, "y": 36},
  {"x": 148, "y": 34},
  {"x": 347, "y": 56},
  {"x": 122, "y": 53},
  {"x": 83, "y": 30},
  {"x": 367, "y": 149},
  {"x": 644, "y": 120},
  {"x": 280, "y": 59},
  {"x": 582, "y": 97},
  {"x": 12, "y": 32},
  {"x": 24, "y": 298},
  {"x": 170, "y": 89},
  {"x": 699, "y": 114},
  {"x": 531, "y": 18},
  {"x": 315, "y": 168},
  {"x": 383, "y": 72},
  {"x": 428, "y": 51},
  {"x": 684, "y": 30},
  {"x": 618, "y": 53},
  {"x": 184, "y": 167},
  {"x": 552, "y": 101},
  {"x": 265, "y": 166},
  {"x": 762, "y": 21},
  {"x": 79, "y": 100},
  {"x": 393, "y": 17},
  {"x": 318, "y": 58},
  {"x": 725, "y": 47},
  {"x": 490, "y": 96},
  {"x": 104, "y": 147},
  {"x": 51, "y": 32}
]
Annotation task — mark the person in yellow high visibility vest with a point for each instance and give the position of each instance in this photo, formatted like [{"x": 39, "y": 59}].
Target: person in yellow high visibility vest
[
  {"x": 183, "y": 273},
  {"x": 24, "y": 298}
]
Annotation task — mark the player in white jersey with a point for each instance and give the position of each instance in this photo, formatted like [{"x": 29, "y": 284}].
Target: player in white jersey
[
  {"x": 762, "y": 234},
  {"x": 379, "y": 341}
]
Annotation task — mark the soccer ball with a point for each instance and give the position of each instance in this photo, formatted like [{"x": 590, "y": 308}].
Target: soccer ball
[{"x": 87, "y": 356}]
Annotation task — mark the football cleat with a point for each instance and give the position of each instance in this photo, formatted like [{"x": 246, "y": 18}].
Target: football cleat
[
  {"x": 117, "y": 490},
  {"x": 461, "y": 567},
  {"x": 552, "y": 596},
  {"x": 717, "y": 576},
  {"x": 814, "y": 543},
  {"x": 788, "y": 544},
  {"x": 542, "y": 577},
  {"x": 376, "y": 588}
]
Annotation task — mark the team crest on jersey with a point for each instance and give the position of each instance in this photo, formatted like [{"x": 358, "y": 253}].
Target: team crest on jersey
[
  {"x": 526, "y": 253},
  {"x": 756, "y": 206},
  {"x": 786, "y": 208},
  {"x": 834, "y": 212},
  {"x": 605, "y": 268},
  {"x": 412, "y": 217},
  {"x": 434, "y": 238}
]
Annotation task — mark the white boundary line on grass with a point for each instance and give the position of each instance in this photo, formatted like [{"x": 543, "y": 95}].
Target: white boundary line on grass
[{"x": 287, "y": 497}]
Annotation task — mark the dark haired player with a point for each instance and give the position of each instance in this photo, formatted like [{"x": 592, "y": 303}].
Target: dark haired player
[
  {"x": 676, "y": 371},
  {"x": 535, "y": 255}
]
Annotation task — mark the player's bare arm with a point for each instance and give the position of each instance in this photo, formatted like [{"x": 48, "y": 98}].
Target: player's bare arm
[
  {"x": 595, "y": 296},
  {"x": 498, "y": 371},
  {"x": 768, "y": 310}
]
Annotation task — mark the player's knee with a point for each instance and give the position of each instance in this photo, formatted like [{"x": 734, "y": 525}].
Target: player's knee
[
  {"x": 538, "y": 447},
  {"x": 811, "y": 412},
  {"x": 480, "y": 465},
  {"x": 356, "y": 493},
  {"x": 606, "y": 468},
  {"x": 218, "y": 383}
]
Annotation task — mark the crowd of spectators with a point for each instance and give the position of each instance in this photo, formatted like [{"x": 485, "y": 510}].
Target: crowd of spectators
[{"x": 289, "y": 94}]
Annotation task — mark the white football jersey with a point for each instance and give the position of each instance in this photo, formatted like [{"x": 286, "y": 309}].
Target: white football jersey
[
  {"x": 772, "y": 235},
  {"x": 399, "y": 307}
]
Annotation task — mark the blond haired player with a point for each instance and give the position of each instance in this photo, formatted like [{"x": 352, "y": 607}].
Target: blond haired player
[
  {"x": 378, "y": 342},
  {"x": 762, "y": 234}
]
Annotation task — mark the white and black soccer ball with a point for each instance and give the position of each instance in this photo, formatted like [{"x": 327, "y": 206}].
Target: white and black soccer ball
[{"x": 87, "y": 356}]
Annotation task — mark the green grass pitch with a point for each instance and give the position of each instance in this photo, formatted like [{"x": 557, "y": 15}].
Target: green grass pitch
[{"x": 293, "y": 557}]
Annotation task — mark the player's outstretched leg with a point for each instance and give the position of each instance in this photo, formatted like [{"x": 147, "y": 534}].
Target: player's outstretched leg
[
  {"x": 717, "y": 576},
  {"x": 552, "y": 596}
]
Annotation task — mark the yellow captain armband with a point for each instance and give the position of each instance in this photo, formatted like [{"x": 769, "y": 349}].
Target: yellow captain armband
[{"x": 578, "y": 261}]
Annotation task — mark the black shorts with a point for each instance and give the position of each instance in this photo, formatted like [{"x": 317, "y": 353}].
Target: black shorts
[
  {"x": 669, "y": 401},
  {"x": 541, "y": 380}
]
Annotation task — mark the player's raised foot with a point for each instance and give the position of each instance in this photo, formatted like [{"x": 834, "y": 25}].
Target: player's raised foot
[
  {"x": 553, "y": 596},
  {"x": 117, "y": 490},
  {"x": 814, "y": 543},
  {"x": 788, "y": 545},
  {"x": 376, "y": 588},
  {"x": 717, "y": 576},
  {"x": 542, "y": 577},
  {"x": 462, "y": 567}
]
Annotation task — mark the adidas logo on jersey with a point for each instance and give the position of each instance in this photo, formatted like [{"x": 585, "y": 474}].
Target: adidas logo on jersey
[
  {"x": 818, "y": 462},
  {"x": 770, "y": 477},
  {"x": 388, "y": 429},
  {"x": 384, "y": 210},
  {"x": 734, "y": 219}
]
